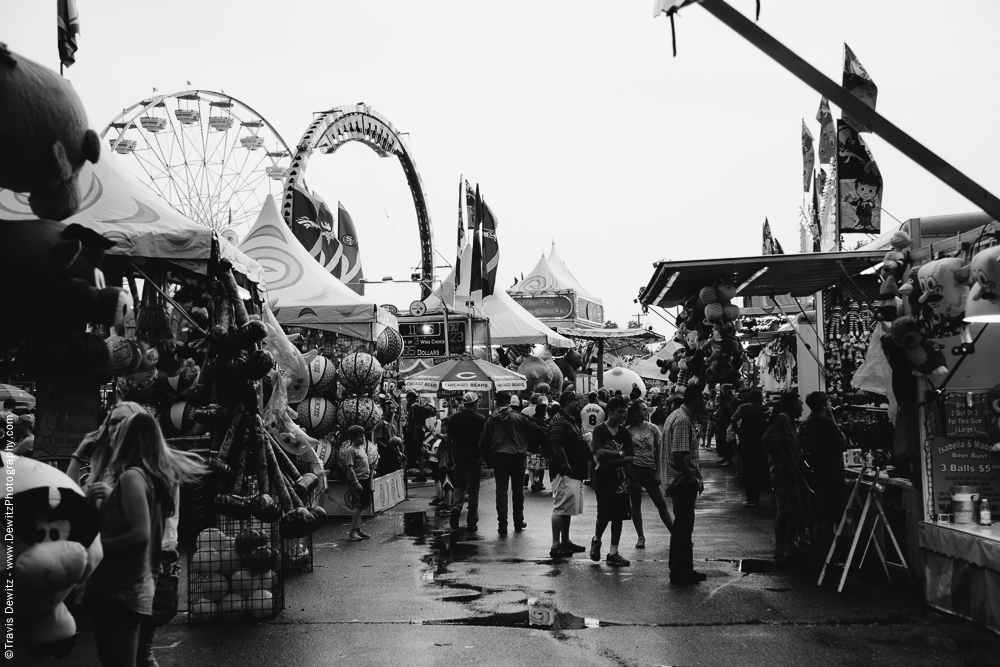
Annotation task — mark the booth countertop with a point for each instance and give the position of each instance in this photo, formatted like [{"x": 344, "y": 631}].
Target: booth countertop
[{"x": 979, "y": 545}]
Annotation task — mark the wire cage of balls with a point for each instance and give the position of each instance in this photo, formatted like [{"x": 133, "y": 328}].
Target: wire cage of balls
[
  {"x": 388, "y": 346},
  {"x": 360, "y": 372},
  {"x": 316, "y": 415},
  {"x": 359, "y": 410}
]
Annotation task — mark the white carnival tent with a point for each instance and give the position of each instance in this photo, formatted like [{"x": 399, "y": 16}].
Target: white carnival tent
[
  {"x": 647, "y": 368},
  {"x": 300, "y": 292},
  {"x": 115, "y": 204},
  {"x": 553, "y": 294},
  {"x": 509, "y": 323}
]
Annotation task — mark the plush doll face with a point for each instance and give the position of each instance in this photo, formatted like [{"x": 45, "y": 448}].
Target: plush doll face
[
  {"x": 985, "y": 270},
  {"x": 943, "y": 286}
]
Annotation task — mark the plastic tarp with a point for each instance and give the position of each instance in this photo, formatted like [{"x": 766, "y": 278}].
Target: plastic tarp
[
  {"x": 301, "y": 293},
  {"x": 510, "y": 323},
  {"x": 647, "y": 368},
  {"x": 118, "y": 206}
]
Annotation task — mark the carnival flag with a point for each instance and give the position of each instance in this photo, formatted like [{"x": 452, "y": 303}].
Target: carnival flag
[
  {"x": 857, "y": 83},
  {"x": 476, "y": 282},
  {"x": 463, "y": 290},
  {"x": 491, "y": 248},
  {"x": 859, "y": 194},
  {"x": 349, "y": 269},
  {"x": 68, "y": 21},
  {"x": 461, "y": 232},
  {"x": 312, "y": 225},
  {"x": 815, "y": 222},
  {"x": 770, "y": 245},
  {"x": 808, "y": 157},
  {"x": 827, "y": 133}
]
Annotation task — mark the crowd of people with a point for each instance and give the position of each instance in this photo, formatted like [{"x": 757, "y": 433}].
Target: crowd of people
[{"x": 625, "y": 448}]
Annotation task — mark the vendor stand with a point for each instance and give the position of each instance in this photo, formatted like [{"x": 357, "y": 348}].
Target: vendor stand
[
  {"x": 339, "y": 327},
  {"x": 601, "y": 337}
]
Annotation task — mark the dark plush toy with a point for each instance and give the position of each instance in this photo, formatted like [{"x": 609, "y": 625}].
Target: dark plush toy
[
  {"x": 569, "y": 364},
  {"x": 55, "y": 272},
  {"x": 924, "y": 355},
  {"x": 894, "y": 266},
  {"x": 44, "y": 136}
]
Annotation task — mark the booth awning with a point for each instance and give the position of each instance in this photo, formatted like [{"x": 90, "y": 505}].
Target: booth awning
[
  {"x": 764, "y": 275},
  {"x": 115, "y": 204},
  {"x": 632, "y": 335}
]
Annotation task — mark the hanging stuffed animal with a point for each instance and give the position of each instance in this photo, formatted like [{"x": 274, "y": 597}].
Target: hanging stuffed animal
[
  {"x": 56, "y": 545},
  {"x": 44, "y": 134},
  {"x": 894, "y": 266},
  {"x": 925, "y": 355},
  {"x": 944, "y": 284},
  {"x": 993, "y": 401},
  {"x": 54, "y": 269}
]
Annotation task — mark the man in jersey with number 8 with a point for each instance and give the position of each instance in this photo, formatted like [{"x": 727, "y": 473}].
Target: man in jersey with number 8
[{"x": 591, "y": 415}]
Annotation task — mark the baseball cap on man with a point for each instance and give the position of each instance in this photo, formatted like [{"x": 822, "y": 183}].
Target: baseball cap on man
[{"x": 470, "y": 397}]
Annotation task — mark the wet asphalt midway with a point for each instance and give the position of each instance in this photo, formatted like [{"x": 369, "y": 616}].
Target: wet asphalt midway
[{"x": 418, "y": 594}]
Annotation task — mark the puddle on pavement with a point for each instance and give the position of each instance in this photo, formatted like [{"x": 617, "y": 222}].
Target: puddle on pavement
[
  {"x": 539, "y": 615},
  {"x": 414, "y": 524},
  {"x": 753, "y": 566}
]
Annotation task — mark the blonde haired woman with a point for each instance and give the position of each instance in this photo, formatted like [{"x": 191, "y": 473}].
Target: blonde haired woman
[{"x": 133, "y": 480}]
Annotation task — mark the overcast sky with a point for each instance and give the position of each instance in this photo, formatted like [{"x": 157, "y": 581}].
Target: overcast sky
[{"x": 574, "y": 118}]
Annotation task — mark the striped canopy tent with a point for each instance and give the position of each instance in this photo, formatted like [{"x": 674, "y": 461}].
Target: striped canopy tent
[
  {"x": 143, "y": 225},
  {"x": 300, "y": 291},
  {"x": 466, "y": 375}
]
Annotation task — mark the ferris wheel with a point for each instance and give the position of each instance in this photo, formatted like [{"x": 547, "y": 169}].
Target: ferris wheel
[{"x": 209, "y": 155}]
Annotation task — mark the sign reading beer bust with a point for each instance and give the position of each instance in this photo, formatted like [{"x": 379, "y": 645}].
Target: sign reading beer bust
[
  {"x": 426, "y": 339},
  {"x": 961, "y": 456}
]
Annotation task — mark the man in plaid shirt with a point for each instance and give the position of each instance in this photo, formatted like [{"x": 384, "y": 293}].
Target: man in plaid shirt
[{"x": 682, "y": 482}]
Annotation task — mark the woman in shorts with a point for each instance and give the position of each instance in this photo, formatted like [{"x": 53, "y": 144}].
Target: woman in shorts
[{"x": 643, "y": 473}]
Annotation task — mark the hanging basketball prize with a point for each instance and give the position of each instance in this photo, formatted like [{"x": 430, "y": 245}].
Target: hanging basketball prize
[
  {"x": 389, "y": 346},
  {"x": 317, "y": 416},
  {"x": 322, "y": 375},
  {"x": 359, "y": 410}
]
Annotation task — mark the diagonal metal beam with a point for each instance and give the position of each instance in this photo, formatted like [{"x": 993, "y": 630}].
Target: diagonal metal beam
[{"x": 822, "y": 84}]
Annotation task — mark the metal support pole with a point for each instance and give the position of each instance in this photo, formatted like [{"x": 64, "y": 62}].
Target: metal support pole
[
  {"x": 600, "y": 363},
  {"x": 822, "y": 84}
]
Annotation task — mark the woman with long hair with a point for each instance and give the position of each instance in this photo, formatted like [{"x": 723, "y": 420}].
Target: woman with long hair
[
  {"x": 95, "y": 446},
  {"x": 133, "y": 481},
  {"x": 643, "y": 472}
]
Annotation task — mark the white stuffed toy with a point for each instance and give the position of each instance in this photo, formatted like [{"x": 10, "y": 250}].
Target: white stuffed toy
[{"x": 56, "y": 546}]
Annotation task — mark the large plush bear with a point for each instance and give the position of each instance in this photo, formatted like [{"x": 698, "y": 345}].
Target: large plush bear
[
  {"x": 894, "y": 266},
  {"x": 44, "y": 138},
  {"x": 56, "y": 545},
  {"x": 569, "y": 364},
  {"x": 54, "y": 269}
]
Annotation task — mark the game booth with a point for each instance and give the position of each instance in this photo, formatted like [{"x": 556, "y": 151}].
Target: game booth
[{"x": 351, "y": 347}]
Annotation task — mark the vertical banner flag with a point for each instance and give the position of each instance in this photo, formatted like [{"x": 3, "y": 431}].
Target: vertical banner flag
[
  {"x": 858, "y": 83},
  {"x": 68, "y": 22},
  {"x": 815, "y": 222},
  {"x": 859, "y": 183},
  {"x": 808, "y": 157},
  {"x": 312, "y": 225},
  {"x": 476, "y": 284},
  {"x": 461, "y": 232},
  {"x": 491, "y": 249},
  {"x": 827, "y": 133},
  {"x": 770, "y": 245},
  {"x": 467, "y": 217},
  {"x": 349, "y": 269}
]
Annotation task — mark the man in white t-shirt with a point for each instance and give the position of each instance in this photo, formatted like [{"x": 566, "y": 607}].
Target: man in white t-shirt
[{"x": 592, "y": 415}]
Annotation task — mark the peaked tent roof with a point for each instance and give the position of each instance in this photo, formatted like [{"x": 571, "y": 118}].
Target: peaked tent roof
[
  {"x": 510, "y": 323},
  {"x": 300, "y": 291},
  {"x": 551, "y": 275},
  {"x": 118, "y": 206}
]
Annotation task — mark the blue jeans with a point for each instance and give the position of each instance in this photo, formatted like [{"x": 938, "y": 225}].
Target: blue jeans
[{"x": 509, "y": 471}]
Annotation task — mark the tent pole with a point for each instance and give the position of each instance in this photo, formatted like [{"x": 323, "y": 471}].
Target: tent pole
[{"x": 600, "y": 363}]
